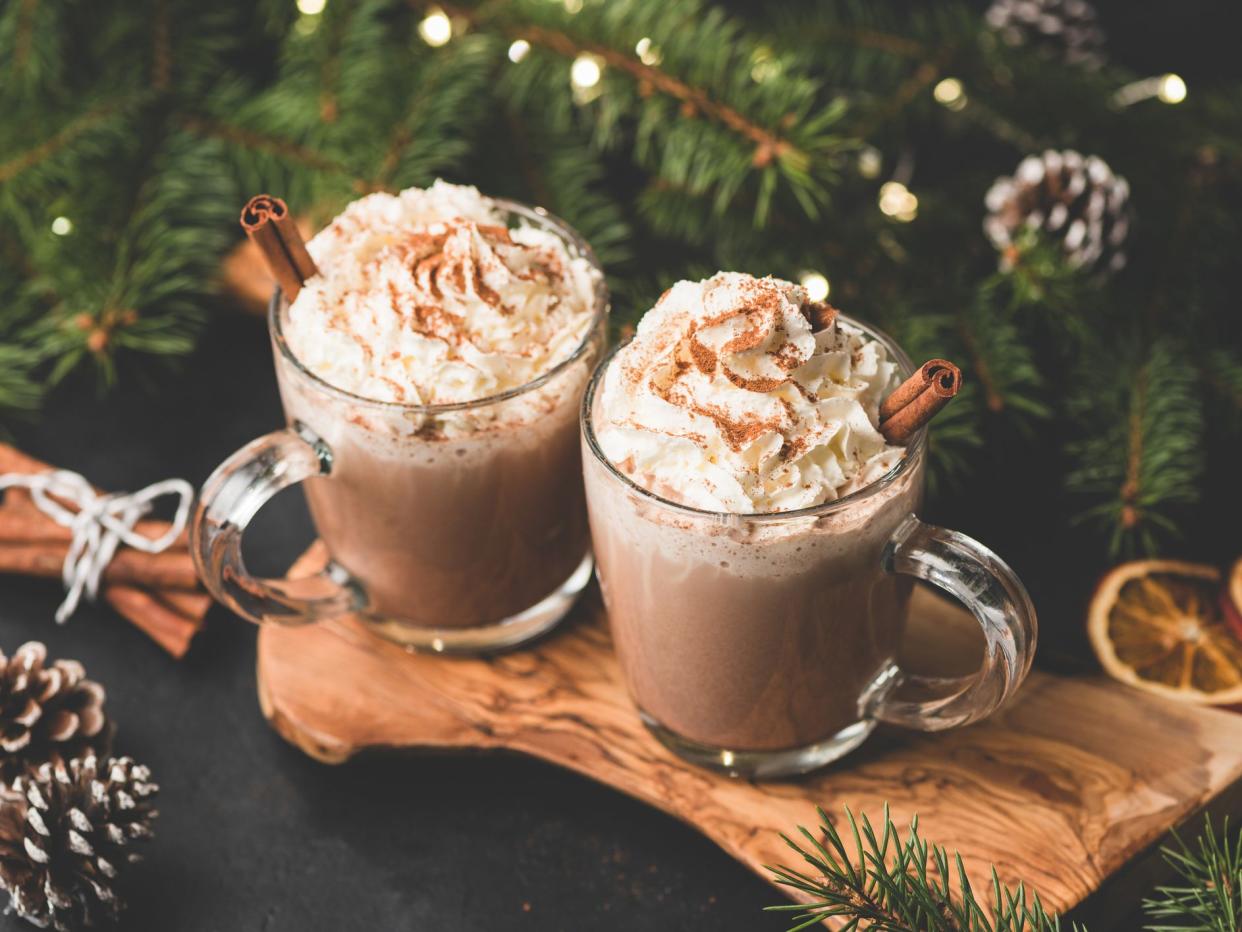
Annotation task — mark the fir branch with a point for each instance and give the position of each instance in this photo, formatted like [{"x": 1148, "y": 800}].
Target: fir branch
[
  {"x": 981, "y": 368},
  {"x": 1209, "y": 897},
  {"x": 17, "y": 163},
  {"x": 1222, "y": 371},
  {"x": 31, "y": 46},
  {"x": 999, "y": 356},
  {"x": 710, "y": 109},
  {"x": 768, "y": 144},
  {"x": 576, "y": 190},
  {"x": 1141, "y": 452},
  {"x": 884, "y": 883},
  {"x": 284, "y": 149},
  {"x": 23, "y": 39},
  {"x": 926, "y": 74},
  {"x": 161, "y": 48}
]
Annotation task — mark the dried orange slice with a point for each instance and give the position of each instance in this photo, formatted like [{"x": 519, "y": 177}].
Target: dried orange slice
[{"x": 1159, "y": 625}]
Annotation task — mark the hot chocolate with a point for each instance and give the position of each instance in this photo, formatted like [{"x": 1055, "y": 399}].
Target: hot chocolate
[
  {"x": 431, "y": 367},
  {"x": 737, "y": 630},
  {"x": 452, "y": 513}
]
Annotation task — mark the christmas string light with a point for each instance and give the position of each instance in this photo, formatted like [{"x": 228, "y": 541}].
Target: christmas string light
[
  {"x": 647, "y": 53},
  {"x": 311, "y": 7},
  {"x": 1172, "y": 89},
  {"x": 950, "y": 93},
  {"x": 870, "y": 162},
  {"x": 62, "y": 226},
  {"x": 518, "y": 50},
  {"x": 816, "y": 285},
  {"x": 585, "y": 72},
  {"x": 436, "y": 29},
  {"x": 1167, "y": 88},
  {"x": 898, "y": 202}
]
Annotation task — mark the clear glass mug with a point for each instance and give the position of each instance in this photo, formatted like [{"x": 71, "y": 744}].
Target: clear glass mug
[
  {"x": 452, "y": 528},
  {"x": 765, "y": 645}
]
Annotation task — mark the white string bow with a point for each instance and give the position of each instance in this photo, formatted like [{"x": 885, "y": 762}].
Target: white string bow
[{"x": 100, "y": 524}]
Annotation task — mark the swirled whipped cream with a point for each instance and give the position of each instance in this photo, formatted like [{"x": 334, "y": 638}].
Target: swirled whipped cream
[
  {"x": 726, "y": 400},
  {"x": 425, "y": 297}
]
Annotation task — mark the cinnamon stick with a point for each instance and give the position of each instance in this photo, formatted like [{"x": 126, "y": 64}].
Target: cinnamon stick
[
  {"x": 267, "y": 222},
  {"x": 169, "y": 608},
  {"x": 918, "y": 399},
  {"x": 21, "y": 522},
  {"x": 167, "y": 570},
  {"x": 164, "y": 624}
]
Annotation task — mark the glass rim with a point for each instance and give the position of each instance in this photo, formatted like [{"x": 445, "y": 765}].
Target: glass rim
[
  {"x": 602, "y": 306},
  {"x": 914, "y": 448}
]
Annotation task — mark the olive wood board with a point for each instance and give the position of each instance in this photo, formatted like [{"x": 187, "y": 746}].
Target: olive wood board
[{"x": 1059, "y": 790}]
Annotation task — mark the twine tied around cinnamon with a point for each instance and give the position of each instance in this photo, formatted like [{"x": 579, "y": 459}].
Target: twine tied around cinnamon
[{"x": 100, "y": 524}]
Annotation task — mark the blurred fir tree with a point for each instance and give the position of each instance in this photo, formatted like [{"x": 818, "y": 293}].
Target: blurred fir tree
[{"x": 838, "y": 141}]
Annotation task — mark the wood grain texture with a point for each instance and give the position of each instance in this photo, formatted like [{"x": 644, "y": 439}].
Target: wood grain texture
[{"x": 1059, "y": 790}]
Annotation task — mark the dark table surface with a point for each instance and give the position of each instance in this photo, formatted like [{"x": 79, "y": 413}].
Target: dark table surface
[{"x": 254, "y": 835}]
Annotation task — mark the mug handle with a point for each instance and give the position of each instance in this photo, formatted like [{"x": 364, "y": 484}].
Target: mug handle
[
  {"x": 230, "y": 498},
  {"x": 985, "y": 584}
]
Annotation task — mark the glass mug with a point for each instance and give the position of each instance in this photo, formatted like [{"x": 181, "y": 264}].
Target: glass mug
[
  {"x": 452, "y": 527},
  {"x": 764, "y": 645}
]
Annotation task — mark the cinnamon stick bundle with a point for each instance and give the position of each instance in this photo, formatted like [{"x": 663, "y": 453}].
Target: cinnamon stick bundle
[
  {"x": 267, "y": 222},
  {"x": 157, "y": 592},
  {"x": 918, "y": 399}
]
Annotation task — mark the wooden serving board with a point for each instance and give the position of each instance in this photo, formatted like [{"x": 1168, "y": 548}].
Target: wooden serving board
[{"x": 1059, "y": 790}]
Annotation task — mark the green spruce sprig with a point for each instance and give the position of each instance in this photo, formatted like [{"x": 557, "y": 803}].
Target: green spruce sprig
[
  {"x": 1209, "y": 894},
  {"x": 1139, "y": 450},
  {"x": 874, "y": 879},
  {"x": 884, "y": 882}
]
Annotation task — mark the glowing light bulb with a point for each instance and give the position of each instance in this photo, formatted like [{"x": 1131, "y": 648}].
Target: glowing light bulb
[
  {"x": 870, "y": 162},
  {"x": 647, "y": 53},
  {"x": 518, "y": 50},
  {"x": 62, "y": 226},
  {"x": 585, "y": 72},
  {"x": 950, "y": 93},
  {"x": 436, "y": 28},
  {"x": 816, "y": 285},
  {"x": 1172, "y": 89},
  {"x": 311, "y": 7},
  {"x": 897, "y": 202}
]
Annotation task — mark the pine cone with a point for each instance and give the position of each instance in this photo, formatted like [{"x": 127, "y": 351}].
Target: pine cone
[
  {"x": 47, "y": 712},
  {"x": 1076, "y": 200},
  {"x": 1064, "y": 29},
  {"x": 66, "y": 834}
]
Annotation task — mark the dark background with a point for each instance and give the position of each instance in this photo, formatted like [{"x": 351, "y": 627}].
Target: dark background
[{"x": 256, "y": 836}]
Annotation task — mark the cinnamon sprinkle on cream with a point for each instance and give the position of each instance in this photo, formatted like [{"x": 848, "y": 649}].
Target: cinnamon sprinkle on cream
[
  {"x": 730, "y": 399},
  {"x": 446, "y": 303}
]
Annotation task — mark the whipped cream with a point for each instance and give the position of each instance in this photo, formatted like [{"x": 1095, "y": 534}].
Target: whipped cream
[
  {"x": 425, "y": 297},
  {"x": 727, "y": 401}
]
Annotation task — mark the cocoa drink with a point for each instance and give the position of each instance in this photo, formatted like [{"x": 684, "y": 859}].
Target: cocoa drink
[
  {"x": 432, "y": 368},
  {"x": 749, "y": 519}
]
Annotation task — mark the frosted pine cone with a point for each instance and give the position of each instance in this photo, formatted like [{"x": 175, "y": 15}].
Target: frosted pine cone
[
  {"x": 67, "y": 832},
  {"x": 1072, "y": 199},
  {"x": 1066, "y": 29},
  {"x": 48, "y": 712}
]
